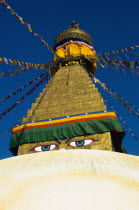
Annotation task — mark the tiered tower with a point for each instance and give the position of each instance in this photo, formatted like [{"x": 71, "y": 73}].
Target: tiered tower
[{"x": 70, "y": 112}]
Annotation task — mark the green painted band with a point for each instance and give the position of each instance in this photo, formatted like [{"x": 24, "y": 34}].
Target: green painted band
[{"x": 65, "y": 131}]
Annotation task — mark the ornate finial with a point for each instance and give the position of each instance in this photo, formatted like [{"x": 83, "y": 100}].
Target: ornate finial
[
  {"x": 74, "y": 25},
  {"x": 73, "y": 32}
]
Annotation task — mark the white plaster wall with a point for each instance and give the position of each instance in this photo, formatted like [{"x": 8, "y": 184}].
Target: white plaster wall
[{"x": 70, "y": 179}]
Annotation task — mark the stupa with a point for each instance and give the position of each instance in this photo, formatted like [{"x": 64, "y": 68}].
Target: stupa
[
  {"x": 70, "y": 112},
  {"x": 70, "y": 119}
]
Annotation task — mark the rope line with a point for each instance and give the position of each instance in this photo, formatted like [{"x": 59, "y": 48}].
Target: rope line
[
  {"x": 23, "y": 97},
  {"x": 25, "y": 64},
  {"x": 124, "y": 122},
  {"x": 119, "y": 51},
  {"x": 23, "y": 87},
  {"x": 28, "y": 26},
  {"x": 109, "y": 90}
]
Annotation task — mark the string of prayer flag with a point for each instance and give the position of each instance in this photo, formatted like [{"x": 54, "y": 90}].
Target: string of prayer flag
[
  {"x": 28, "y": 26},
  {"x": 23, "y": 97},
  {"x": 109, "y": 90},
  {"x": 23, "y": 87},
  {"x": 13, "y": 73},
  {"x": 122, "y": 98},
  {"x": 124, "y": 56},
  {"x": 134, "y": 65},
  {"x": 124, "y": 122},
  {"x": 25, "y": 64},
  {"x": 119, "y": 51},
  {"x": 126, "y": 64}
]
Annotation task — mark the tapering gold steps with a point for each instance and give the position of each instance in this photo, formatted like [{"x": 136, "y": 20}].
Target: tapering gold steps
[{"x": 69, "y": 92}]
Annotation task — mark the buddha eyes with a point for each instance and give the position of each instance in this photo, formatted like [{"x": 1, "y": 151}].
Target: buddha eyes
[
  {"x": 81, "y": 143},
  {"x": 44, "y": 148},
  {"x": 50, "y": 147}
]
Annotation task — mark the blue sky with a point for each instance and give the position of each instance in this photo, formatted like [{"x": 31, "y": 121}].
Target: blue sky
[{"x": 112, "y": 24}]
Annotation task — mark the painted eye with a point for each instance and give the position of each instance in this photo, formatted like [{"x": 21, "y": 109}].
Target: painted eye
[
  {"x": 81, "y": 143},
  {"x": 44, "y": 148}
]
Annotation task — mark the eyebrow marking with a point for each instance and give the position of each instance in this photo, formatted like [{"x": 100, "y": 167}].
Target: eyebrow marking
[
  {"x": 57, "y": 141},
  {"x": 80, "y": 140},
  {"x": 69, "y": 140}
]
